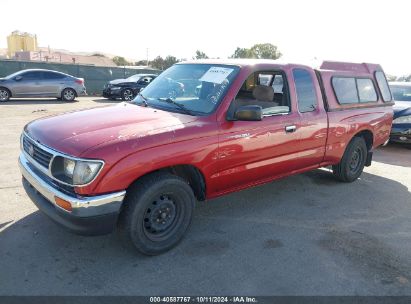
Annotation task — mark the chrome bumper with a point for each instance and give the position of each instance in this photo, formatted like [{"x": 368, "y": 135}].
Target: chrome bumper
[{"x": 81, "y": 206}]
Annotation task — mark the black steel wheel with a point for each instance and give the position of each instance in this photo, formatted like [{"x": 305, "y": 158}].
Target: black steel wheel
[
  {"x": 353, "y": 161},
  {"x": 157, "y": 212}
]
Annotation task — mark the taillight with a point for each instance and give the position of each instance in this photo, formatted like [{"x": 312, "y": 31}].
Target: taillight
[{"x": 79, "y": 81}]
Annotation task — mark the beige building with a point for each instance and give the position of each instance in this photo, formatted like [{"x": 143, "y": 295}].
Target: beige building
[{"x": 19, "y": 41}]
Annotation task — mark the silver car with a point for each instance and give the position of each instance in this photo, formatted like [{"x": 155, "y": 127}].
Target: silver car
[{"x": 41, "y": 83}]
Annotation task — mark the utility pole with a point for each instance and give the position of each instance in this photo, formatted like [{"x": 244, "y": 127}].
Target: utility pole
[{"x": 147, "y": 57}]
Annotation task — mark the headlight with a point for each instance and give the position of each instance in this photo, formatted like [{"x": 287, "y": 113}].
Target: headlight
[
  {"x": 84, "y": 172},
  {"x": 403, "y": 119},
  {"x": 115, "y": 88},
  {"x": 75, "y": 172}
]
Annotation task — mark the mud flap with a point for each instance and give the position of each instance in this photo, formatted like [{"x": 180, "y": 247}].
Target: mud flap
[{"x": 369, "y": 159}]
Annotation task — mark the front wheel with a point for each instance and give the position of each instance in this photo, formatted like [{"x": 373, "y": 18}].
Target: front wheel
[
  {"x": 68, "y": 95},
  {"x": 353, "y": 161},
  {"x": 127, "y": 95},
  {"x": 157, "y": 213}
]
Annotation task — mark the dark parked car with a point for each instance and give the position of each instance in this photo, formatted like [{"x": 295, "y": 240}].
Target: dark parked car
[
  {"x": 41, "y": 83},
  {"x": 127, "y": 89},
  {"x": 401, "y": 125}
]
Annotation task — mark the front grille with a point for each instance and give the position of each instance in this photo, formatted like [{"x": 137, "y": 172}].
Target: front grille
[{"x": 38, "y": 154}]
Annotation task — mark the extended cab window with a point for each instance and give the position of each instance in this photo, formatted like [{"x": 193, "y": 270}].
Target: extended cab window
[
  {"x": 266, "y": 89},
  {"x": 354, "y": 90},
  {"x": 306, "y": 96},
  {"x": 383, "y": 85}
]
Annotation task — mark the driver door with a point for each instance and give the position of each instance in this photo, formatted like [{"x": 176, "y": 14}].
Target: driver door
[{"x": 252, "y": 152}]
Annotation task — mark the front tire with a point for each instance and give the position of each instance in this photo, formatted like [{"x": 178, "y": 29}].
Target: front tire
[
  {"x": 4, "y": 95},
  {"x": 157, "y": 212},
  {"x": 68, "y": 95},
  {"x": 353, "y": 161},
  {"x": 127, "y": 95}
]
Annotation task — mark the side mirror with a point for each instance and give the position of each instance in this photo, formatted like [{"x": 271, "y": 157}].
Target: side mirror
[
  {"x": 18, "y": 78},
  {"x": 249, "y": 113}
]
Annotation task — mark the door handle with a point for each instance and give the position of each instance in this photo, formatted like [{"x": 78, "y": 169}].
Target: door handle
[{"x": 290, "y": 129}]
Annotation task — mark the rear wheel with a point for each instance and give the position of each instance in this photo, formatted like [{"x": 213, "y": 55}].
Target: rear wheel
[
  {"x": 68, "y": 94},
  {"x": 158, "y": 211},
  {"x": 4, "y": 95},
  {"x": 127, "y": 95},
  {"x": 353, "y": 161}
]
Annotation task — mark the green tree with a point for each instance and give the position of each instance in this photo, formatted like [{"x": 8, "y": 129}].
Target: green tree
[
  {"x": 260, "y": 51},
  {"x": 169, "y": 61},
  {"x": 242, "y": 53},
  {"x": 265, "y": 51},
  {"x": 118, "y": 60},
  {"x": 157, "y": 63},
  {"x": 200, "y": 55}
]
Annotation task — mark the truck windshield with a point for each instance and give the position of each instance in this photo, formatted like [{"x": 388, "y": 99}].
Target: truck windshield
[
  {"x": 401, "y": 93},
  {"x": 194, "y": 89}
]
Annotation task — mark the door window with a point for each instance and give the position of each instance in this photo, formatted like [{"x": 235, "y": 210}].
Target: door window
[
  {"x": 266, "y": 89},
  {"x": 33, "y": 75}
]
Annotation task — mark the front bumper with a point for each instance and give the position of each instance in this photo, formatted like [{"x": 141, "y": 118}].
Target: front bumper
[
  {"x": 94, "y": 215},
  {"x": 108, "y": 93},
  {"x": 401, "y": 133}
]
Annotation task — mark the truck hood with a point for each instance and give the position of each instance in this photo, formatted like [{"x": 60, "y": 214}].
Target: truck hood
[{"x": 75, "y": 132}]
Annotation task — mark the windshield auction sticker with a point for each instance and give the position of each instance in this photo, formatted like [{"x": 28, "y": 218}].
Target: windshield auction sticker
[{"x": 216, "y": 75}]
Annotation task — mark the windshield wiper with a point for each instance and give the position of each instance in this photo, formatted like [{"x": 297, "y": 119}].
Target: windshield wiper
[{"x": 179, "y": 105}]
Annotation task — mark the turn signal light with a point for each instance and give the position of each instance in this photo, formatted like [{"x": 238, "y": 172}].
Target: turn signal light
[{"x": 63, "y": 204}]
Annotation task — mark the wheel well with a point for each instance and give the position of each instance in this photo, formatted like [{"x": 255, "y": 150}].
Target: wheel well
[
  {"x": 191, "y": 174},
  {"x": 368, "y": 137},
  {"x": 6, "y": 89},
  {"x": 194, "y": 177}
]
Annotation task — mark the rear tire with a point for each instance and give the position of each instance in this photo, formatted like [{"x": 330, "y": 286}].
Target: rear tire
[
  {"x": 157, "y": 212},
  {"x": 68, "y": 94},
  {"x": 4, "y": 95},
  {"x": 353, "y": 161}
]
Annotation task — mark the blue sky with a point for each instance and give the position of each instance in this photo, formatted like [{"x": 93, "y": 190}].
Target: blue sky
[{"x": 361, "y": 30}]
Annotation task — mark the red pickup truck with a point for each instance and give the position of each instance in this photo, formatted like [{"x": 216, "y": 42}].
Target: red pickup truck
[{"x": 141, "y": 166}]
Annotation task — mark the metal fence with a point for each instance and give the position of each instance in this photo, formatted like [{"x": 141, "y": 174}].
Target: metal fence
[{"x": 94, "y": 76}]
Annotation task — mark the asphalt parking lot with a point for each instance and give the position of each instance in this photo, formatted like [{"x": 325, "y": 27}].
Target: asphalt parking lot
[{"x": 303, "y": 235}]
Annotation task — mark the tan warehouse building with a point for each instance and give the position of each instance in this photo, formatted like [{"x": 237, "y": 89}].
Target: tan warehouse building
[{"x": 19, "y": 41}]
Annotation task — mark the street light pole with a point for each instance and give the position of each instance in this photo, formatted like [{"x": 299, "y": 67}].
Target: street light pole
[{"x": 147, "y": 57}]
